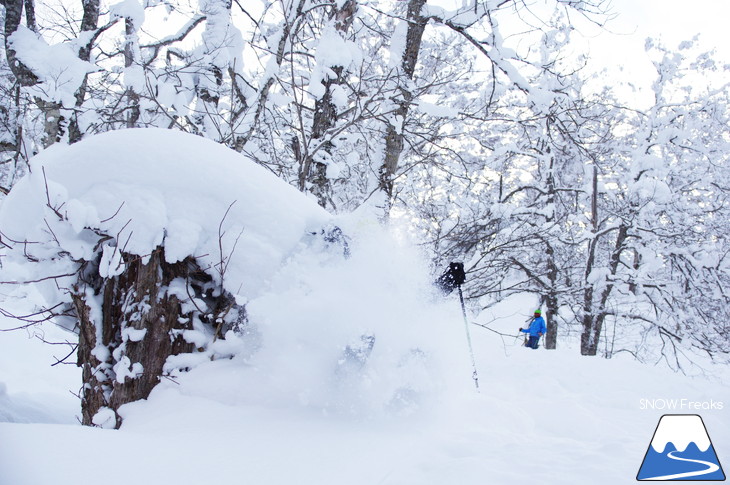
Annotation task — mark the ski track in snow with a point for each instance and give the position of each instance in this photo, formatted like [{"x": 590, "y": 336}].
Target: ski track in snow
[{"x": 711, "y": 468}]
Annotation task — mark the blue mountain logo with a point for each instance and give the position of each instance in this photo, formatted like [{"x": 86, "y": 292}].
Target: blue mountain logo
[{"x": 681, "y": 450}]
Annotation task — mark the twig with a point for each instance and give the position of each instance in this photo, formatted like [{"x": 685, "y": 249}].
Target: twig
[
  {"x": 223, "y": 262},
  {"x": 48, "y": 196},
  {"x": 115, "y": 214},
  {"x": 492, "y": 330},
  {"x": 61, "y": 361},
  {"x": 54, "y": 277}
]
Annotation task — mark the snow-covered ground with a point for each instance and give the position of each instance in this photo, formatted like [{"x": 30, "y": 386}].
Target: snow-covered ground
[{"x": 545, "y": 417}]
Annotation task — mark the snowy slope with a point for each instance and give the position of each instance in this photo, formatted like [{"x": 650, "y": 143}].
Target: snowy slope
[
  {"x": 32, "y": 388},
  {"x": 553, "y": 417}
]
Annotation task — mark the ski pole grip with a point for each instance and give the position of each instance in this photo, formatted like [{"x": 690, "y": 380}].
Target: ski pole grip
[{"x": 456, "y": 270}]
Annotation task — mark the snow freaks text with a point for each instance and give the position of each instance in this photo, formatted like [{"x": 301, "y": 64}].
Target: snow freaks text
[{"x": 662, "y": 404}]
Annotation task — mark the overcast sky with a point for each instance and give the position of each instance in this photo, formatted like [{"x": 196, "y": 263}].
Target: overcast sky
[
  {"x": 672, "y": 21},
  {"x": 677, "y": 19}
]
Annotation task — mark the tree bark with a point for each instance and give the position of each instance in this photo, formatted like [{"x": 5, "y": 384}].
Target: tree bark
[
  {"x": 130, "y": 46},
  {"x": 314, "y": 172},
  {"x": 551, "y": 298},
  {"x": 589, "y": 337},
  {"x": 13, "y": 15},
  {"x": 89, "y": 22},
  {"x": 551, "y": 302},
  {"x": 122, "y": 357},
  {"x": 53, "y": 127},
  {"x": 594, "y": 312},
  {"x": 394, "y": 132}
]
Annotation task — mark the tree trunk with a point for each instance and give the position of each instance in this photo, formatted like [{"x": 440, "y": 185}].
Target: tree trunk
[
  {"x": 53, "y": 127},
  {"x": 551, "y": 298},
  {"x": 394, "y": 132},
  {"x": 314, "y": 172},
  {"x": 122, "y": 356},
  {"x": 130, "y": 48},
  {"x": 594, "y": 313},
  {"x": 13, "y": 15},
  {"x": 614, "y": 261},
  {"x": 551, "y": 303},
  {"x": 89, "y": 22},
  {"x": 589, "y": 337}
]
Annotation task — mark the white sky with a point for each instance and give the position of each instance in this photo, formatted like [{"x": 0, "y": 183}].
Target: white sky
[
  {"x": 671, "y": 21},
  {"x": 619, "y": 47},
  {"x": 676, "y": 20}
]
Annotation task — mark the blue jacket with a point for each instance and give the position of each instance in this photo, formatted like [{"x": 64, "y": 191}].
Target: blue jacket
[{"x": 536, "y": 327}]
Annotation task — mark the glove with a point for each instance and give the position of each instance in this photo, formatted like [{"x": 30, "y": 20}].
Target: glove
[
  {"x": 539, "y": 334},
  {"x": 520, "y": 329}
]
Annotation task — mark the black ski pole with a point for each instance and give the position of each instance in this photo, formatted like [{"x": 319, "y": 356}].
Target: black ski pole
[
  {"x": 453, "y": 279},
  {"x": 474, "y": 375}
]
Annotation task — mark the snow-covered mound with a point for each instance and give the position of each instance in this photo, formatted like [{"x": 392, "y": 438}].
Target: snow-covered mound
[
  {"x": 151, "y": 187},
  {"x": 341, "y": 315}
]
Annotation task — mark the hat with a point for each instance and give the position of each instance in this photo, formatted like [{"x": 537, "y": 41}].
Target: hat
[{"x": 538, "y": 312}]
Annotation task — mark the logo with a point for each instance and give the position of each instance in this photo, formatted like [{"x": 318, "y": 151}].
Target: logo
[{"x": 681, "y": 450}]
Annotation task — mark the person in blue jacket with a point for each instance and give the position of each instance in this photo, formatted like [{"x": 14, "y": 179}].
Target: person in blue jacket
[{"x": 536, "y": 330}]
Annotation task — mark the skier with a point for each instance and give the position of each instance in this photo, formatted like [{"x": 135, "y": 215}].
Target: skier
[{"x": 536, "y": 330}]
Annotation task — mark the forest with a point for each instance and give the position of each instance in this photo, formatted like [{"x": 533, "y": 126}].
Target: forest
[{"x": 483, "y": 127}]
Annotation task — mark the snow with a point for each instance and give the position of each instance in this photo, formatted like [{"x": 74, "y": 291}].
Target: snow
[
  {"x": 128, "y": 9},
  {"x": 31, "y": 391},
  {"x": 397, "y": 44},
  {"x": 436, "y": 110},
  {"x": 332, "y": 51},
  {"x": 111, "y": 262},
  {"x": 58, "y": 67},
  {"x": 535, "y": 416},
  {"x": 104, "y": 418},
  {"x": 175, "y": 189},
  {"x": 466, "y": 15},
  {"x": 134, "y": 78}
]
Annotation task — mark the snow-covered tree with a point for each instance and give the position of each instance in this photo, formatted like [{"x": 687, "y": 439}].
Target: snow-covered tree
[{"x": 150, "y": 277}]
